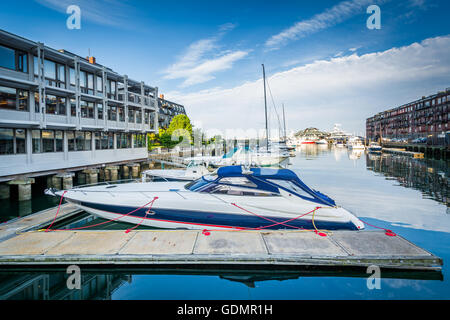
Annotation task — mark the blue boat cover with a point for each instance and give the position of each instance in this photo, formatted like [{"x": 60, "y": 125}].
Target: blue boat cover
[{"x": 265, "y": 173}]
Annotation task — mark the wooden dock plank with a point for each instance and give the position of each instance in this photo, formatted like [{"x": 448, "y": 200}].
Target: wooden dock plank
[
  {"x": 301, "y": 243},
  {"x": 90, "y": 242},
  {"x": 230, "y": 242},
  {"x": 32, "y": 243},
  {"x": 154, "y": 242},
  {"x": 371, "y": 244}
]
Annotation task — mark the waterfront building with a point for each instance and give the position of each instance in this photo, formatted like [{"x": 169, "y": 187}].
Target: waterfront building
[
  {"x": 167, "y": 110},
  {"x": 60, "y": 111},
  {"x": 427, "y": 117}
]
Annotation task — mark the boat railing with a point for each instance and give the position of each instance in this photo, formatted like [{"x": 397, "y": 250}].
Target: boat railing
[{"x": 106, "y": 183}]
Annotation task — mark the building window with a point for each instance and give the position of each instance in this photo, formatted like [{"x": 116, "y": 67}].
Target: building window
[
  {"x": 112, "y": 113},
  {"x": 90, "y": 83},
  {"x": 99, "y": 86},
  {"x": 72, "y": 79},
  {"x": 87, "y": 109},
  {"x": 59, "y": 141},
  {"x": 111, "y": 89},
  {"x": 123, "y": 140},
  {"x": 121, "y": 111},
  {"x": 13, "y": 99},
  {"x": 71, "y": 140},
  {"x": 54, "y": 73},
  {"x": 36, "y": 141},
  {"x": 139, "y": 140},
  {"x": 48, "y": 141},
  {"x": 73, "y": 107},
  {"x": 79, "y": 140},
  {"x": 13, "y": 59},
  {"x": 12, "y": 141},
  {"x": 6, "y": 141},
  {"x": 104, "y": 141},
  {"x": 138, "y": 116},
  {"x": 55, "y": 105},
  {"x": 99, "y": 110},
  {"x": 50, "y": 69},
  {"x": 131, "y": 113}
]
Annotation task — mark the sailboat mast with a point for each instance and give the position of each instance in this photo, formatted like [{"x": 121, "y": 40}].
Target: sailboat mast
[
  {"x": 284, "y": 124},
  {"x": 265, "y": 107}
]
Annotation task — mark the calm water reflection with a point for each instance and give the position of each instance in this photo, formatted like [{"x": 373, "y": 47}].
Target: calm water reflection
[{"x": 409, "y": 196}]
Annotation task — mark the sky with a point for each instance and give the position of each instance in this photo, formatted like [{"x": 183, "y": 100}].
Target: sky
[{"x": 322, "y": 62}]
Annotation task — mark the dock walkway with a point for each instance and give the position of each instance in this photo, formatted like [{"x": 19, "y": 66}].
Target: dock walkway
[
  {"x": 193, "y": 247},
  {"x": 36, "y": 220}
]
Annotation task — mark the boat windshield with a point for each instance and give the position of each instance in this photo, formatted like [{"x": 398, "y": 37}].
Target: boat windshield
[{"x": 198, "y": 184}]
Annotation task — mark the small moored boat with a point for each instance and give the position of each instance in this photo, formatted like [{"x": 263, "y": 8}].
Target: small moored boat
[{"x": 231, "y": 198}]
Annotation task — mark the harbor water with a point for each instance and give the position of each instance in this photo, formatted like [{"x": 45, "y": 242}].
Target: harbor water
[{"x": 409, "y": 196}]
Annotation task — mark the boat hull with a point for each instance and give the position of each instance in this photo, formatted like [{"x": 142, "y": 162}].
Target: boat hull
[{"x": 188, "y": 219}]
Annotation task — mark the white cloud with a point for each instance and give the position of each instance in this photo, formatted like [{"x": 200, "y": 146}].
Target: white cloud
[
  {"x": 330, "y": 17},
  {"x": 343, "y": 90},
  {"x": 203, "y": 59}
]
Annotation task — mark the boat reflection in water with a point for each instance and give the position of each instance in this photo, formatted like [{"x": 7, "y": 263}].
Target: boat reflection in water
[{"x": 98, "y": 284}]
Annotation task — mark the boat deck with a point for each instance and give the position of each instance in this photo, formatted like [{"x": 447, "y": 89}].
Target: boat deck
[{"x": 194, "y": 247}]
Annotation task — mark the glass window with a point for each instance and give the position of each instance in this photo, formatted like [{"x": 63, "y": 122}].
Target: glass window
[
  {"x": 138, "y": 116},
  {"x": 36, "y": 65},
  {"x": 59, "y": 141},
  {"x": 239, "y": 181},
  {"x": 7, "y": 58},
  {"x": 83, "y": 108},
  {"x": 90, "y": 112},
  {"x": 83, "y": 79},
  {"x": 87, "y": 141},
  {"x": 112, "y": 113},
  {"x": 90, "y": 83},
  {"x": 131, "y": 115},
  {"x": 79, "y": 135},
  {"x": 7, "y": 98},
  {"x": 121, "y": 112},
  {"x": 22, "y": 61},
  {"x": 99, "y": 84},
  {"x": 97, "y": 141},
  {"x": 110, "y": 140},
  {"x": 72, "y": 78},
  {"x": 22, "y": 104},
  {"x": 21, "y": 141},
  {"x": 51, "y": 104},
  {"x": 104, "y": 140},
  {"x": 73, "y": 107},
  {"x": 71, "y": 140},
  {"x": 48, "y": 141},
  {"x": 36, "y": 140},
  {"x": 6, "y": 141},
  {"x": 61, "y": 73},
  {"x": 50, "y": 69},
  {"x": 100, "y": 110}
]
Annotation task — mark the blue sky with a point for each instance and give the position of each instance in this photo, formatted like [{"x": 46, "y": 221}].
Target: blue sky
[{"x": 208, "y": 54}]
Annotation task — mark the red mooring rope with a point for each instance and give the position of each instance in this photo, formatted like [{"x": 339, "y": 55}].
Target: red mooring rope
[{"x": 101, "y": 223}]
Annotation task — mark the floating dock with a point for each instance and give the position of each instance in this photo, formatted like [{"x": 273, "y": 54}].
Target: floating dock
[
  {"x": 193, "y": 247},
  {"x": 37, "y": 220},
  {"x": 22, "y": 244}
]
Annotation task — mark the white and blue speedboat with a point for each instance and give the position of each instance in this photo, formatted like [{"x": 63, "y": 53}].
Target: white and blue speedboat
[{"x": 231, "y": 198}]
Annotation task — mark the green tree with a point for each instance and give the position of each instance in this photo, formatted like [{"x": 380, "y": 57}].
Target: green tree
[{"x": 180, "y": 129}]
